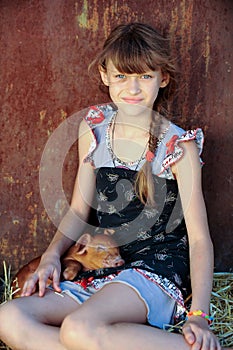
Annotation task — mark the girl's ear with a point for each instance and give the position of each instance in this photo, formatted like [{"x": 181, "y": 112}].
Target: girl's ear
[
  {"x": 104, "y": 76},
  {"x": 165, "y": 80}
]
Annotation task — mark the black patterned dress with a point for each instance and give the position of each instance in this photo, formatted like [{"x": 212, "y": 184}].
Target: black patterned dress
[{"x": 152, "y": 240}]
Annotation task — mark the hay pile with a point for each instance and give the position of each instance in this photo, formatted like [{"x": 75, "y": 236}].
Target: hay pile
[
  {"x": 5, "y": 293},
  {"x": 221, "y": 306}
]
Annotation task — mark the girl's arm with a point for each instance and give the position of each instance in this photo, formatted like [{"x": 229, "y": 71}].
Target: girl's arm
[
  {"x": 188, "y": 173},
  {"x": 72, "y": 224}
]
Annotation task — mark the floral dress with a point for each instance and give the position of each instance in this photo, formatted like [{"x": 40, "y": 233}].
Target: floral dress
[{"x": 152, "y": 240}]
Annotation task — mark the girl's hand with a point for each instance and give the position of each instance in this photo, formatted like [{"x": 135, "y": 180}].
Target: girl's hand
[
  {"x": 49, "y": 268},
  {"x": 197, "y": 334}
]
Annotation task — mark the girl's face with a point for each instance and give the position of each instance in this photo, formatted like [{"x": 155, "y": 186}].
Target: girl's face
[{"x": 133, "y": 93}]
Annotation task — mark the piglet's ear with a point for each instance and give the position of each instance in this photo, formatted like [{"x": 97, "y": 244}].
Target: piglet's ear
[{"x": 83, "y": 243}]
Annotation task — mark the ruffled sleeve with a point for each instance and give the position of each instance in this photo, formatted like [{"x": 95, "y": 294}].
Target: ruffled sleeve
[
  {"x": 93, "y": 117},
  {"x": 174, "y": 151},
  {"x": 97, "y": 118}
]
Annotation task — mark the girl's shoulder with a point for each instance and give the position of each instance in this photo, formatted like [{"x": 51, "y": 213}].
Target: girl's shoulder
[
  {"x": 99, "y": 114},
  {"x": 170, "y": 148},
  {"x": 98, "y": 119}
]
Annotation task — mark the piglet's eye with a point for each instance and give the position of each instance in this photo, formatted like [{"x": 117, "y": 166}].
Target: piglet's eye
[{"x": 100, "y": 248}]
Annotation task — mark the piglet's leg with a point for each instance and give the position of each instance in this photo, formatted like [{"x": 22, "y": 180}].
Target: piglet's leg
[{"x": 71, "y": 270}]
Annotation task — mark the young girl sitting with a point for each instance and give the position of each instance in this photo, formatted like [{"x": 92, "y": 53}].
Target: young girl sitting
[{"x": 145, "y": 174}]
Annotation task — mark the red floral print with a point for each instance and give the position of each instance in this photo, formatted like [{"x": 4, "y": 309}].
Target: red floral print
[
  {"x": 95, "y": 115},
  {"x": 171, "y": 144}
]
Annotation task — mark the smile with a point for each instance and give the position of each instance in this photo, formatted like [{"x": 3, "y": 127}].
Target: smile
[{"x": 132, "y": 100}]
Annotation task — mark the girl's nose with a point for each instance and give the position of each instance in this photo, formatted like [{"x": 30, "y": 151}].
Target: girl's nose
[{"x": 133, "y": 85}]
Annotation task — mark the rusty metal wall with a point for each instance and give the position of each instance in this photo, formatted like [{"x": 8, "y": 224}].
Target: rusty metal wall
[{"x": 44, "y": 52}]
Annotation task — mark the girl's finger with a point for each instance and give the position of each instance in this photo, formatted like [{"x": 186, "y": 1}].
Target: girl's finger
[
  {"x": 206, "y": 343},
  {"x": 42, "y": 285},
  {"x": 56, "y": 282},
  {"x": 188, "y": 334},
  {"x": 198, "y": 344},
  {"x": 29, "y": 286},
  {"x": 214, "y": 344}
]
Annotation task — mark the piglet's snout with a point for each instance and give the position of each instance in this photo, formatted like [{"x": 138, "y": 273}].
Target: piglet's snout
[
  {"x": 119, "y": 261},
  {"x": 114, "y": 261}
]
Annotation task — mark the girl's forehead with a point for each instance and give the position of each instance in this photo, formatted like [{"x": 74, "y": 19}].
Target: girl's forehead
[
  {"x": 110, "y": 65},
  {"x": 111, "y": 68}
]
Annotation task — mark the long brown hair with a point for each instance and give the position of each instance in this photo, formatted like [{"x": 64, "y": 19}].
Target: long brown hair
[{"x": 137, "y": 48}]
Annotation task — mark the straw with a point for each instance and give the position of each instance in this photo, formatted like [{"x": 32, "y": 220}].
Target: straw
[
  {"x": 8, "y": 292},
  {"x": 221, "y": 306}
]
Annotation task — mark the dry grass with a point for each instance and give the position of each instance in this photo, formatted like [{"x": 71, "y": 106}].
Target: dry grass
[
  {"x": 221, "y": 306},
  {"x": 6, "y": 294}
]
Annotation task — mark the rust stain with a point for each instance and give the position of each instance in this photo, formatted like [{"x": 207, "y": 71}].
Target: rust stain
[
  {"x": 119, "y": 12},
  {"x": 44, "y": 217},
  {"x": 9, "y": 179},
  {"x": 15, "y": 221},
  {"x": 180, "y": 26},
  {"x": 109, "y": 12},
  {"x": 229, "y": 66},
  {"x": 85, "y": 20},
  {"x": 9, "y": 87},
  {"x": 206, "y": 52},
  {"x": 50, "y": 126},
  {"x": 33, "y": 226},
  {"x": 43, "y": 114},
  {"x": 32, "y": 208},
  {"x": 186, "y": 23},
  {"x": 4, "y": 244},
  {"x": 63, "y": 114},
  {"x": 174, "y": 21},
  {"x": 28, "y": 195}
]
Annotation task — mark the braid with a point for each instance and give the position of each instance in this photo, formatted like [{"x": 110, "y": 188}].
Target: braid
[{"x": 144, "y": 181}]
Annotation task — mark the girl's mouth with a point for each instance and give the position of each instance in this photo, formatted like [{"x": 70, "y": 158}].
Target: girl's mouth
[{"x": 132, "y": 100}]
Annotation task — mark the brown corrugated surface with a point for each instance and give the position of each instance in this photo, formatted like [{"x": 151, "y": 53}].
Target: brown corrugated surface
[{"x": 45, "y": 49}]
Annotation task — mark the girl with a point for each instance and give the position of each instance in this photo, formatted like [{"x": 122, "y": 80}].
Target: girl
[{"x": 145, "y": 173}]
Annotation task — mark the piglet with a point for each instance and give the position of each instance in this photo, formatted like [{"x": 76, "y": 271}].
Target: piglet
[{"x": 88, "y": 253}]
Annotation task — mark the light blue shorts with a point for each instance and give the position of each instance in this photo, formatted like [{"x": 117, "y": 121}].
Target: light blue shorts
[{"x": 160, "y": 306}]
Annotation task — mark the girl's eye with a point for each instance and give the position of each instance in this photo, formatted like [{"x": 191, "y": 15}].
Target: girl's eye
[
  {"x": 120, "y": 76},
  {"x": 146, "y": 76}
]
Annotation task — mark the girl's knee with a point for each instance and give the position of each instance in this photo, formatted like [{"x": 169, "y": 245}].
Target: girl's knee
[
  {"x": 7, "y": 310},
  {"x": 15, "y": 312},
  {"x": 76, "y": 330},
  {"x": 9, "y": 315}
]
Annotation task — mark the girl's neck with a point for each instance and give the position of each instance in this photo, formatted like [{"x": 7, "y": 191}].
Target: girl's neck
[{"x": 132, "y": 126}]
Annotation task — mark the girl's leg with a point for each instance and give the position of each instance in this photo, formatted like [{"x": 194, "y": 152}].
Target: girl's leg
[
  {"x": 31, "y": 323},
  {"x": 114, "y": 318}
]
